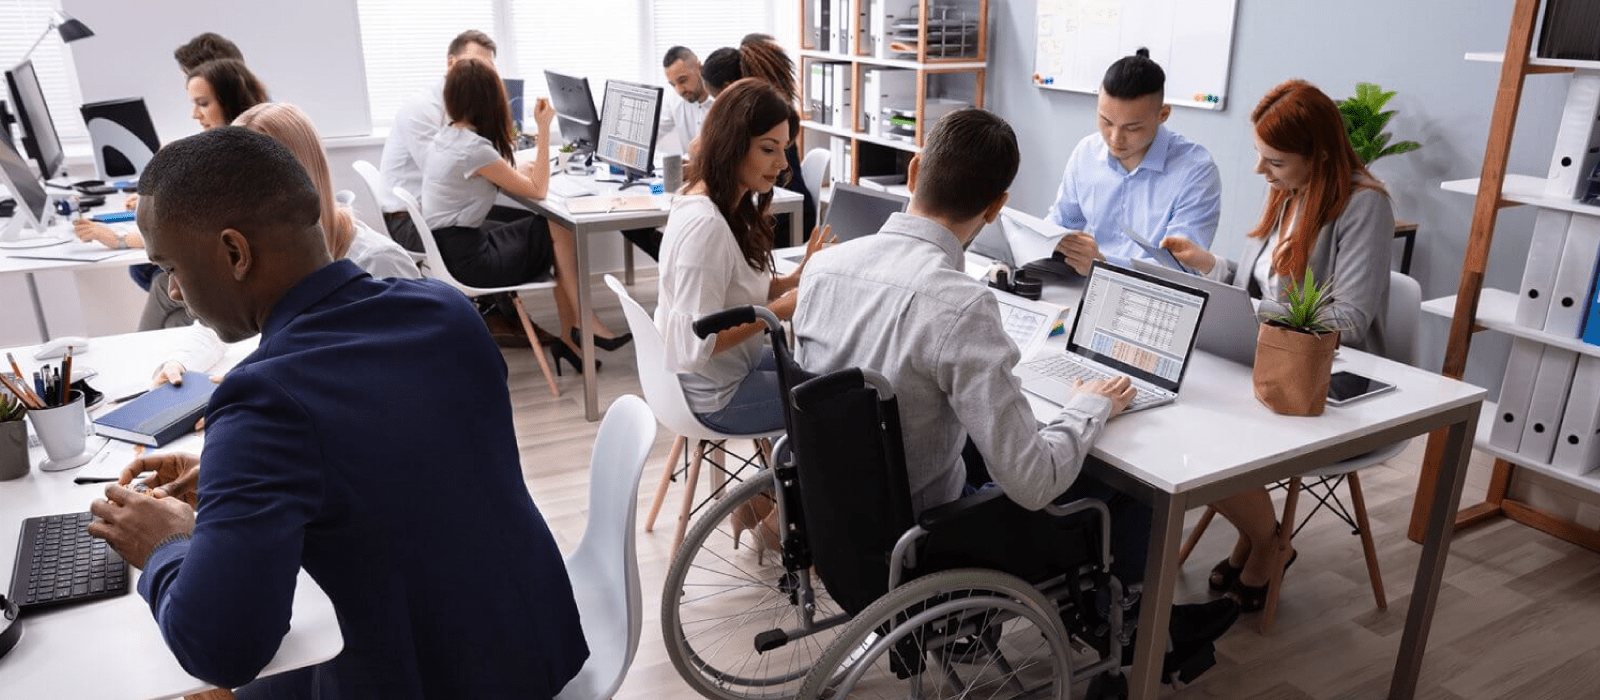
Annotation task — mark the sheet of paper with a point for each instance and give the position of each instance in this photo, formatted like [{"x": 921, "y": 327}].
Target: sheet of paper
[
  {"x": 1030, "y": 238},
  {"x": 1161, "y": 255}
]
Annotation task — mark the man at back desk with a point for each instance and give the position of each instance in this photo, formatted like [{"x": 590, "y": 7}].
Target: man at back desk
[
  {"x": 368, "y": 440},
  {"x": 1135, "y": 174},
  {"x": 899, "y": 302}
]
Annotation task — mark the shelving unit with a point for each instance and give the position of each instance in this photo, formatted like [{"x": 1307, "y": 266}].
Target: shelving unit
[
  {"x": 932, "y": 82},
  {"x": 1474, "y": 308}
]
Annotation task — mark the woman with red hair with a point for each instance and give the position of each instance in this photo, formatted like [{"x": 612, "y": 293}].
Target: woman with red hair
[{"x": 1327, "y": 214}]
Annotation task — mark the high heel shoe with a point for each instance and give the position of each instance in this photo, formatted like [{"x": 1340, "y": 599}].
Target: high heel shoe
[
  {"x": 1254, "y": 598},
  {"x": 760, "y": 515},
  {"x": 1224, "y": 576},
  {"x": 560, "y": 351},
  {"x": 606, "y": 344}
]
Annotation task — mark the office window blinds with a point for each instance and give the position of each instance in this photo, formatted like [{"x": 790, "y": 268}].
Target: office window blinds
[
  {"x": 405, "y": 42},
  {"x": 706, "y": 25},
  {"x": 597, "y": 39},
  {"x": 21, "y": 23}
]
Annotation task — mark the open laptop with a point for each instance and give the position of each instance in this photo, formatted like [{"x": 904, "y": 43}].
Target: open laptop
[
  {"x": 1230, "y": 326},
  {"x": 854, "y": 212},
  {"x": 1127, "y": 323}
]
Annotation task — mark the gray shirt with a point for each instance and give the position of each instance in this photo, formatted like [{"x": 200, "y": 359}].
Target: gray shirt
[
  {"x": 898, "y": 303},
  {"x": 1351, "y": 253},
  {"x": 453, "y": 194}
]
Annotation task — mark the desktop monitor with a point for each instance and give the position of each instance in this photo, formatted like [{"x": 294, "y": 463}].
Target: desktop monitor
[
  {"x": 580, "y": 124},
  {"x": 124, "y": 137},
  {"x": 38, "y": 132},
  {"x": 514, "y": 100},
  {"x": 33, "y": 203},
  {"x": 628, "y": 120},
  {"x": 5, "y": 125}
]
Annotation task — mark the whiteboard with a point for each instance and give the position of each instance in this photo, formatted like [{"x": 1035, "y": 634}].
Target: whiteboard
[
  {"x": 306, "y": 51},
  {"x": 1192, "y": 40}
]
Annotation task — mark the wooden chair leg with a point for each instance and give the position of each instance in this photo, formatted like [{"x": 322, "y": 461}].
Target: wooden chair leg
[
  {"x": 688, "y": 495},
  {"x": 1359, "y": 503},
  {"x": 718, "y": 459},
  {"x": 1285, "y": 535},
  {"x": 538, "y": 350},
  {"x": 666, "y": 478},
  {"x": 1194, "y": 535},
  {"x": 213, "y": 694}
]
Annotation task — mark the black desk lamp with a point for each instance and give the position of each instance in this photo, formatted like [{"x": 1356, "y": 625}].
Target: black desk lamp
[{"x": 70, "y": 29}]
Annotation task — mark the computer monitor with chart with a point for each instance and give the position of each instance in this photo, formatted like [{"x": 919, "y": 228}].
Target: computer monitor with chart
[
  {"x": 628, "y": 120},
  {"x": 33, "y": 204},
  {"x": 39, "y": 137},
  {"x": 575, "y": 113}
]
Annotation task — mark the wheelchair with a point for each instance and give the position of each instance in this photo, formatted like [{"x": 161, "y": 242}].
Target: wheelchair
[{"x": 976, "y": 598}]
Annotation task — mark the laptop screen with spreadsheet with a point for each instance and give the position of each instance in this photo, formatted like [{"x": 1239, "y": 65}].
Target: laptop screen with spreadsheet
[{"x": 1137, "y": 323}]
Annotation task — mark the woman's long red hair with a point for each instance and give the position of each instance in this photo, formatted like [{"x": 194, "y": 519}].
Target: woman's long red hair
[{"x": 1296, "y": 117}]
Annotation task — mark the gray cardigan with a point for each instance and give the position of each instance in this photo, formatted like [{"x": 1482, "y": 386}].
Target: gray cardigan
[{"x": 1353, "y": 253}]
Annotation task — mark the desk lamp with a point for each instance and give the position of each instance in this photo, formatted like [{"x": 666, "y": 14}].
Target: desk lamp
[{"x": 70, "y": 29}]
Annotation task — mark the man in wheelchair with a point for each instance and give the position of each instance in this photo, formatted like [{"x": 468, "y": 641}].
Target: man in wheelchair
[{"x": 899, "y": 303}]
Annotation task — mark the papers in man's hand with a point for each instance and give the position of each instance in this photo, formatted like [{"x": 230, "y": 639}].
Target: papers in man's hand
[{"x": 1030, "y": 238}]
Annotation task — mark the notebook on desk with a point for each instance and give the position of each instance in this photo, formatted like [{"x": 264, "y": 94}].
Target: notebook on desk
[
  {"x": 1128, "y": 323},
  {"x": 161, "y": 415}
]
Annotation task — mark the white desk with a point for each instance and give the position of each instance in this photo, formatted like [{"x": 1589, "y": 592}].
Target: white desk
[
  {"x": 62, "y": 228},
  {"x": 62, "y": 650},
  {"x": 1218, "y": 440},
  {"x": 585, "y": 225}
]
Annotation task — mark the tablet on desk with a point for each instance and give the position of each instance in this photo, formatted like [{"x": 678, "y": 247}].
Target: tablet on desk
[{"x": 1346, "y": 387}]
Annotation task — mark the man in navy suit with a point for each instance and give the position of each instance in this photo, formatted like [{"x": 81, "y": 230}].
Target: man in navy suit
[{"x": 368, "y": 440}]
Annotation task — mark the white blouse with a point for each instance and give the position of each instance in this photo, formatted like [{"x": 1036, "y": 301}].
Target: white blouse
[{"x": 702, "y": 272}]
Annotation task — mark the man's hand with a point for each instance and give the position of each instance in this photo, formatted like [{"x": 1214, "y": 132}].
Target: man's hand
[
  {"x": 1190, "y": 254},
  {"x": 1080, "y": 251},
  {"x": 1119, "y": 390},
  {"x": 133, "y": 523},
  {"x": 177, "y": 475}
]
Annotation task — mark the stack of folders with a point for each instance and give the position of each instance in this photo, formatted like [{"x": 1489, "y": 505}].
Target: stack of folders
[
  {"x": 162, "y": 414},
  {"x": 828, "y": 97},
  {"x": 1549, "y": 409}
]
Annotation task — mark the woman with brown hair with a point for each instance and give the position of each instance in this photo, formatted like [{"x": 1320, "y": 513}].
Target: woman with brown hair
[
  {"x": 467, "y": 165},
  {"x": 221, "y": 90},
  {"x": 1327, "y": 214},
  {"x": 716, "y": 253}
]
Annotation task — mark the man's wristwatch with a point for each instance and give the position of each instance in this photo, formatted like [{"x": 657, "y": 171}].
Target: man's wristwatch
[{"x": 122, "y": 240}]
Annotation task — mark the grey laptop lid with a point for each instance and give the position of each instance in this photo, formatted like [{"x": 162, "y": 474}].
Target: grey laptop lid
[
  {"x": 1229, "y": 327},
  {"x": 858, "y": 211}
]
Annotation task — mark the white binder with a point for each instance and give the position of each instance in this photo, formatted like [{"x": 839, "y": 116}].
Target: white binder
[
  {"x": 1575, "y": 152},
  {"x": 843, "y": 76},
  {"x": 1578, "y": 442},
  {"x": 884, "y": 87},
  {"x": 1549, "y": 401},
  {"x": 843, "y": 19},
  {"x": 815, "y": 97},
  {"x": 890, "y": 12},
  {"x": 1539, "y": 276},
  {"x": 1574, "y": 276},
  {"x": 1516, "y": 391}
]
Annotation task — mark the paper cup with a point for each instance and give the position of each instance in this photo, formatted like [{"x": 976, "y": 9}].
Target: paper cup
[{"x": 61, "y": 432}]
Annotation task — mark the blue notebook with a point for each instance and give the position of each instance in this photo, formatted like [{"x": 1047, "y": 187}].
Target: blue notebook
[{"x": 162, "y": 415}]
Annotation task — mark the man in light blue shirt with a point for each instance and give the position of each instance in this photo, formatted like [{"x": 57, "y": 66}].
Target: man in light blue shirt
[{"x": 1134, "y": 175}]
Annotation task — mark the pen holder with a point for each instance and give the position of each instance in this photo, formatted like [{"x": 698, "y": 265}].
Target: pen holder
[
  {"x": 61, "y": 432},
  {"x": 13, "y": 449}
]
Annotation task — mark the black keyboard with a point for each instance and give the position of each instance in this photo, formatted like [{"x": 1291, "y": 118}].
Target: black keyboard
[{"x": 59, "y": 563}]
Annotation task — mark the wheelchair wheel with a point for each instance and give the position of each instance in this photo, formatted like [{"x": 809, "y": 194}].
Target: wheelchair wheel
[
  {"x": 962, "y": 633},
  {"x": 721, "y": 607}
]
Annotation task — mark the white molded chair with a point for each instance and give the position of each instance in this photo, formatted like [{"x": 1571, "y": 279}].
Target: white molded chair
[
  {"x": 665, "y": 395},
  {"x": 436, "y": 269},
  {"x": 814, "y": 169},
  {"x": 604, "y": 570},
  {"x": 374, "y": 182},
  {"x": 1400, "y": 321}
]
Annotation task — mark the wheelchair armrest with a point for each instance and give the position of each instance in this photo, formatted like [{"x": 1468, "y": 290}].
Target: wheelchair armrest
[{"x": 976, "y": 505}]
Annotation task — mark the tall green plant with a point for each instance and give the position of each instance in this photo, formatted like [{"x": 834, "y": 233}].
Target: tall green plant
[
  {"x": 1305, "y": 305},
  {"x": 1364, "y": 120}
]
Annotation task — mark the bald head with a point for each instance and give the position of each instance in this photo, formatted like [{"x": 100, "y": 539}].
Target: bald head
[{"x": 231, "y": 215}]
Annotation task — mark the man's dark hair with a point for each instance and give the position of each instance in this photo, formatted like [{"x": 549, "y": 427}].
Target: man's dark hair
[
  {"x": 753, "y": 37},
  {"x": 1134, "y": 76},
  {"x": 721, "y": 68},
  {"x": 969, "y": 159},
  {"x": 209, "y": 46},
  {"x": 678, "y": 53},
  {"x": 231, "y": 177},
  {"x": 472, "y": 36}
]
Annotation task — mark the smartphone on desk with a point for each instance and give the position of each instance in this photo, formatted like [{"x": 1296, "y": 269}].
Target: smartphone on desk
[{"x": 1345, "y": 387}]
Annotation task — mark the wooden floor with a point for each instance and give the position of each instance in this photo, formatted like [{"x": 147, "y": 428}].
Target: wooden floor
[{"x": 1517, "y": 618}]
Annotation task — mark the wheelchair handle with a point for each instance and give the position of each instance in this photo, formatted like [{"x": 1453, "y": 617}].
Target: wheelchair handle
[
  {"x": 841, "y": 381},
  {"x": 736, "y": 316}
]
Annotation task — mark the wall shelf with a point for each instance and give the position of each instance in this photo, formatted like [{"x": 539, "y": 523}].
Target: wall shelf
[
  {"x": 1524, "y": 189},
  {"x": 1497, "y": 311}
]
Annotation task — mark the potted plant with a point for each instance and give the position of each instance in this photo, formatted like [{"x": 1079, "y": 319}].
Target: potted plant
[
  {"x": 1294, "y": 352},
  {"x": 13, "y": 438},
  {"x": 1364, "y": 120}
]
